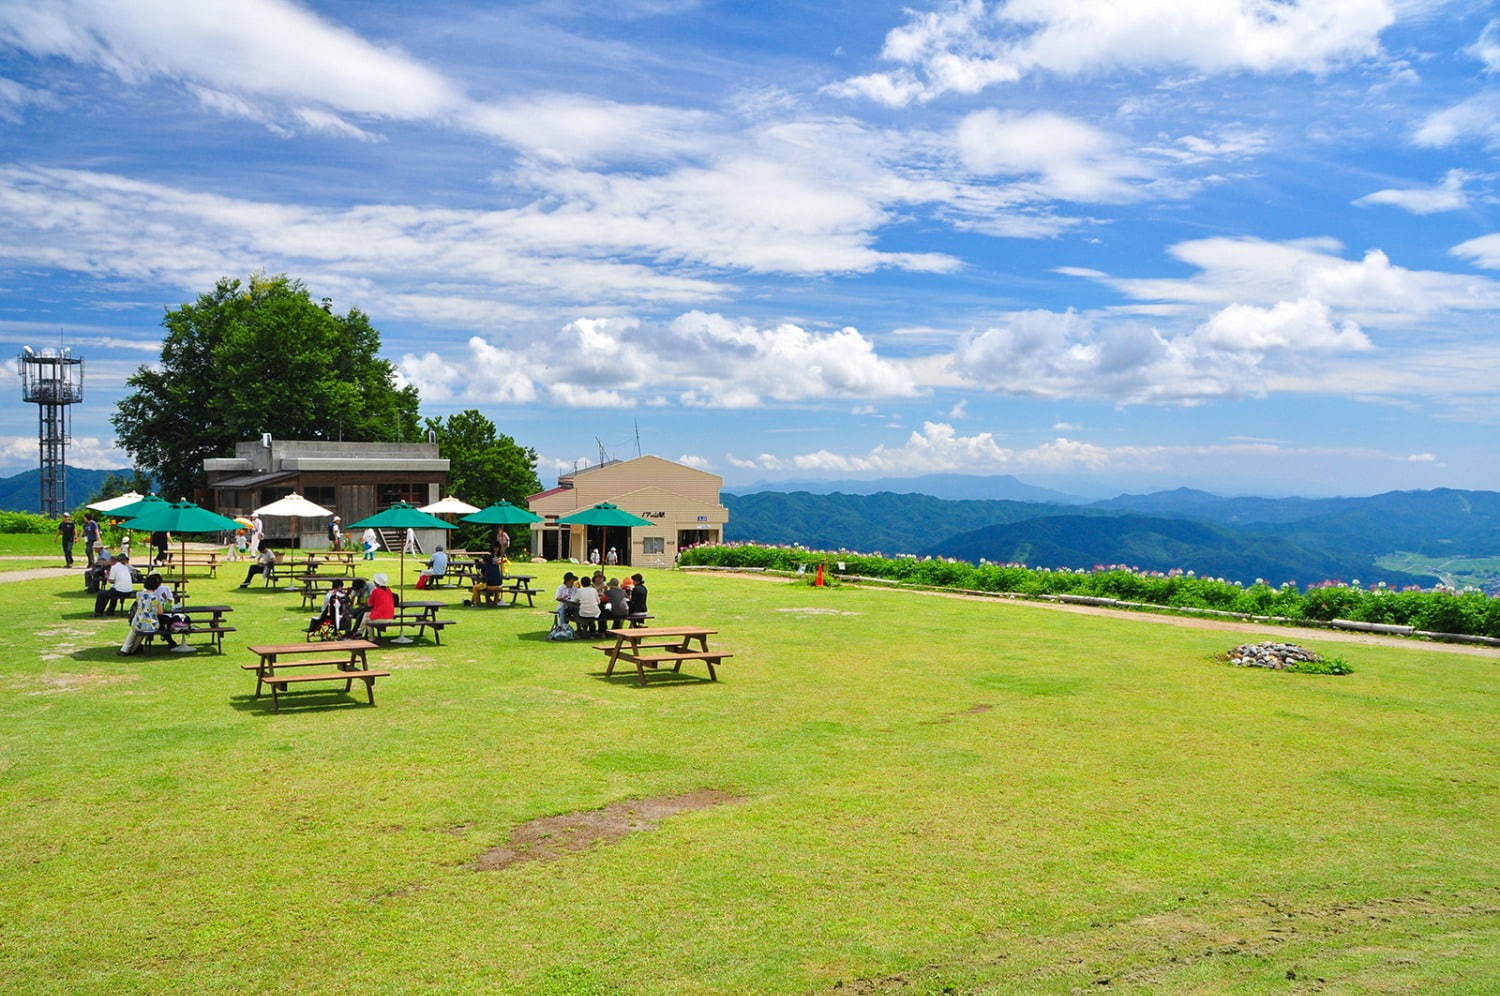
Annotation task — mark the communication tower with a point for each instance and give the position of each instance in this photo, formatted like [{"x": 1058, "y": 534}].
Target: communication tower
[{"x": 52, "y": 380}]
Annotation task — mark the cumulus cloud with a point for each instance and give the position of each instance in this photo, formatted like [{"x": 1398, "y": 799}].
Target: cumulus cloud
[
  {"x": 1448, "y": 195},
  {"x": 964, "y": 46},
  {"x": 85, "y": 452},
  {"x": 710, "y": 360}
]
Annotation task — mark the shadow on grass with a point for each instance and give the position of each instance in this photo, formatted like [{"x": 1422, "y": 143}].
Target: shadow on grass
[
  {"x": 154, "y": 652},
  {"x": 303, "y": 701},
  {"x": 654, "y": 678}
]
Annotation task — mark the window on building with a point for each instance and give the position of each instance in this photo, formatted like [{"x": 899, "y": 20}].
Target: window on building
[
  {"x": 268, "y": 495},
  {"x": 389, "y": 494},
  {"x": 320, "y": 494},
  {"x": 654, "y": 544}
]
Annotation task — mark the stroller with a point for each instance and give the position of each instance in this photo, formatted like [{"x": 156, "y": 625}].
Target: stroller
[{"x": 334, "y": 622}]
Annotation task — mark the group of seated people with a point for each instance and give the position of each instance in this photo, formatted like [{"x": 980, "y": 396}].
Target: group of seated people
[
  {"x": 594, "y": 602},
  {"x": 153, "y": 614},
  {"x": 345, "y": 611}
]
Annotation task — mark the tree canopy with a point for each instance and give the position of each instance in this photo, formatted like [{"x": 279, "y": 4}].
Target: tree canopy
[
  {"x": 484, "y": 466},
  {"x": 262, "y": 357}
]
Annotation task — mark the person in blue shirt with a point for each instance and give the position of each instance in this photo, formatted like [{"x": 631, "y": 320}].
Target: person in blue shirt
[{"x": 437, "y": 567}]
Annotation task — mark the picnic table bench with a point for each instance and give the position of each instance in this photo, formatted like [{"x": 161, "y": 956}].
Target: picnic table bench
[
  {"x": 206, "y": 619},
  {"x": 672, "y": 645},
  {"x": 413, "y": 614},
  {"x": 184, "y": 561},
  {"x": 347, "y": 657}
]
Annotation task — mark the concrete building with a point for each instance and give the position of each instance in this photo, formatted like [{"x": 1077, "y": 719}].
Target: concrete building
[
  {"x": 681, "y": 503},
  {"x": 354, "y": 479}
]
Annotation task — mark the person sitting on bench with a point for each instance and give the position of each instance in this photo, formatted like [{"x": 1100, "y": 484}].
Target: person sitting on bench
[
  {"x": 489, "y": 581},
  {"x": 382, "y": 604},
  {"x": 588, "y": 609},
  {"x": 119, "y": 586},
  {"x": 264, "y": 561},
  {"x": 437, "y": 567},
  {"x": 617, "y": 603}
]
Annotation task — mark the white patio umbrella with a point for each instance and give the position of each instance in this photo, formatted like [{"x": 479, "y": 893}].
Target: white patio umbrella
[
  {"x": 120, "y": 501},
  {"x": 449, "y": 506},
  {"x": 296, "y": 508}
]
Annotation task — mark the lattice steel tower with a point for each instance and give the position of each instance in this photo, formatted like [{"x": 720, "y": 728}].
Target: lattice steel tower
[{"x": 52, "y": 379}]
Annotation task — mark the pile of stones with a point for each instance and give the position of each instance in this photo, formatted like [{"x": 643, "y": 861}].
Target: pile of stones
[{"x": 1276, "y": 656}]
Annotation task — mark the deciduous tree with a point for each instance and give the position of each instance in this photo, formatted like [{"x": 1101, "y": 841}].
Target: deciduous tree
[{"x": 261, "y": 357}]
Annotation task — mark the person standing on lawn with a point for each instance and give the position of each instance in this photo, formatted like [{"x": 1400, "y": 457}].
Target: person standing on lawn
[
  {"x": 67, "y": 532},
  {"x": 90, "y": 535}
]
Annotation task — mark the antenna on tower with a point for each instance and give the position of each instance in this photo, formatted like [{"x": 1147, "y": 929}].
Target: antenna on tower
[
  {"x": 603, "y": 456},
  {"x": 637, "y": 424}
]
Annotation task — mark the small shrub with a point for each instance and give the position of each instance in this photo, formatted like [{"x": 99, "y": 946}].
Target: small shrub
[{"x": 1328, "y": 665}]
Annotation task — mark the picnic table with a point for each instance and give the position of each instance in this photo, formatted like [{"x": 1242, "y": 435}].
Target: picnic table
[
  {"x": 195, "y": 559},
  {"x": 413, "y": 614},
  {"x": 313, "y": 587},
  {"x": 347, "y": 657},
  {"x": 673, "y": 645},
  {"x": 207, "y": 619}
]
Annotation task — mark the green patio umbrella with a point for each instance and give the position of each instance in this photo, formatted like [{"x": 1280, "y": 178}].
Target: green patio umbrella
[
  {"x": 603, "y": 515},
  {"x": 131, "y": 509},
  {"x": 502, "y": 513},
  {"x": 180, "y": 517},
  {"x": 402, "y": 515}
]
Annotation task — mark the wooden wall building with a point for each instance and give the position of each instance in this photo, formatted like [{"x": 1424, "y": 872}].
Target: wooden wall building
[
  {"x": 682, "y": 504},
  {"x": 354, "y": 479}
]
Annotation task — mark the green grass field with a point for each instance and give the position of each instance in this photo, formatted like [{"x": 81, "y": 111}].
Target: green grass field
[
  {"x": 930, "y": 795},
  {"x": 1480, "y": 572}
]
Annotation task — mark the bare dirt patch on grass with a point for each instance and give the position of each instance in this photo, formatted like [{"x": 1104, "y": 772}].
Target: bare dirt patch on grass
[
  {"x": 948, "y": 717},
  {"x": 53, "y": 684},
  {"x": 36, "y": 573},
  {"x": 550, "y": 837},
  {"x": 809, "y": 611}
]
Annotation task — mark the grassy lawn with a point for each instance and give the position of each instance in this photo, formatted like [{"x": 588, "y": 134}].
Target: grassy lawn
[
  {"x": 929, "y": 793},
  {"x": 1481, "y": 572}
]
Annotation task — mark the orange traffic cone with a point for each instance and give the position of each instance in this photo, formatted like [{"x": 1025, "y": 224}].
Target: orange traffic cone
[{"x": 818, "y": 581}]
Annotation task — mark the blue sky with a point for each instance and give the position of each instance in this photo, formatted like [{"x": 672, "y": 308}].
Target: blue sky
[{"x": 1096, "y": 244}]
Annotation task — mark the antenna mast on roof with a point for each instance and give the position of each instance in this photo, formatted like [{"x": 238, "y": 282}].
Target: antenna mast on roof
[
  {"x": 637, "y": 424},
  {"x": 603, "y": 456}
]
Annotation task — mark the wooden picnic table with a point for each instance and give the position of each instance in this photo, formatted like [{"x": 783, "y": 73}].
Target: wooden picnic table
[
  {"x": 206, "y": 619},
  {"x": 348, "y": 657},
  {"x": 673, "y": 642},
  {"x": 418, "y": 614}
]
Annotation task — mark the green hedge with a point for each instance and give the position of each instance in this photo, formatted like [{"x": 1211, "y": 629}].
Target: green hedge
[
  {"x": 26, "y": 522},
  {"x": 1470, "y": 612}
]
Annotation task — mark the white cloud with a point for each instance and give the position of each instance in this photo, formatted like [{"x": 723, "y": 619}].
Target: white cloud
[
  {"x": 1478, "y": 117},
  {"x": 1487, "y": 48},
  {"x": 964, "y": 46},
  {"x": 17, "y": 97},
  {"x": 1303, "y": 324},
  {"x": 1061, "y": 426},
  {"x": 85, "y": 452},
  {"x": 329, "y": 123},
  {"x": 1371, "y": 291},
  {"x": 264, "y": 48},
  {"x": 1069, "y": 159},
  {"x": 960, "y": 410},
  {"x": 1422, "y": 458},
  {"x": 698, "y": 462},
  {"x": 1448, "y": 195},
  {"x": 1483, "y": 250},
  {"x": 710, "y": 360}
]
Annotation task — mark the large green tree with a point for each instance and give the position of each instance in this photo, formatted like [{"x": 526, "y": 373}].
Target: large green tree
[
  {"x": 484, "y": 466},
  {"x": 253, "y": 358}
]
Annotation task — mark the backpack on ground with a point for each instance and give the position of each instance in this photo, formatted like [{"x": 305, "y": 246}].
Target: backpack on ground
[{"x": 560, "y": 631}]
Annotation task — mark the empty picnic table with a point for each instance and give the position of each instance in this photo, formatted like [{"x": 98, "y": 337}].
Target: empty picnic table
[
  {"x": 673, "y": 642},
  {"x": 346, "y": 656}
]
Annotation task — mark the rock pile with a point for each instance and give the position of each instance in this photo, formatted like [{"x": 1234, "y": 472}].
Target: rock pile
[{"x": 1276, "y": 656}]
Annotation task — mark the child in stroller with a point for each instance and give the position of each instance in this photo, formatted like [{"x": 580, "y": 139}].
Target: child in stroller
[{"x": 333, "y": 622}]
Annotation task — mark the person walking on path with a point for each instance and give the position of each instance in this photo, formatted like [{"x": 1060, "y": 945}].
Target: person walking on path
[
  {"x": 257, "y": 534},
  {"x": 371, "y": 542},
  {"x": 67, "y": 532},
  {"x": 91, "y": 543}
]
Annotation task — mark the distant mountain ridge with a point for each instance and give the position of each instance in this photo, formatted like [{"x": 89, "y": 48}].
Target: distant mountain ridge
[
  {"x": 953, "y": 487},
  {"x": 23, "y": 492},
  {"x": 1242, "y": 538}
]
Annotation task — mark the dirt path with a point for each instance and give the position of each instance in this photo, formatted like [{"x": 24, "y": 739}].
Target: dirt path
[
  {"x": 36, "y": 573},
  {"x": 1186, "y": 622}
]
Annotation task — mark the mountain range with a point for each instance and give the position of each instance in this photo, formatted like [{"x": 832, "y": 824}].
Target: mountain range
[
  {"x": 22, "y": 492},
  {"x": 1239, "y": 538}
]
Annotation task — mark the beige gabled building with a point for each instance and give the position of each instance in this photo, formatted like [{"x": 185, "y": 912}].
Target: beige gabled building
[{"x": 681, "y": 503}]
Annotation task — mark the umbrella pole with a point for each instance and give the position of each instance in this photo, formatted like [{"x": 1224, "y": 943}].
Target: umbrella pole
[
  {"x": 184, "y": 647},
  {"x": 403, "y": 638}
]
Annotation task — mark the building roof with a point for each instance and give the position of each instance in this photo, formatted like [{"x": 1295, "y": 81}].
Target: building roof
[{"x": 254, "y": 480}]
